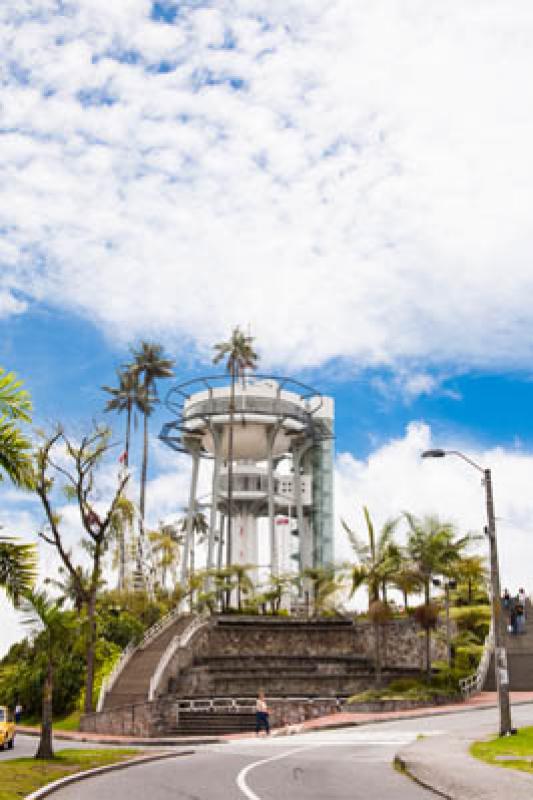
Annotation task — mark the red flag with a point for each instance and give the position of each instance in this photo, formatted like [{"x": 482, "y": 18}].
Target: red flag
[{"x": 123, "y": 457}]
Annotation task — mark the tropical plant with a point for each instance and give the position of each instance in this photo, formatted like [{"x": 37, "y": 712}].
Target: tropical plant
[
  {"x": 377, "y": 562},
  {"x": 325, "y": 584},
  {"x": 72, "y": 588},
  {"x": 149, "y": 366},
  {"x": 472, "y": 577},
  {"x": 18, "y": 567},
  {"x": 240, "y": 357},
  {"x": 406, "y": 581},
  {"x": 166, "y": 544},
  {"x": 15, "y": 449},
  {"x": 79, "y": 470},
  {"x": 199, "y": 528},
  {"x": 46, "y": 615},
  {"x": 124, "y": 397},
  {"x": 120, "y": 529},
  {"x": 433, "y": 550}
]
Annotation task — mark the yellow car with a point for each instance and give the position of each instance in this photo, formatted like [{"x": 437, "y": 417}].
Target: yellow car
[{"x": 7, "y": 728}]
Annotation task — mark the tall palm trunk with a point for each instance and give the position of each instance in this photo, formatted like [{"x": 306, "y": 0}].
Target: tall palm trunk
[
  {"x": 230, "y": 469},
  {"x": 428, "y": 634},
  {"x": 142, "y": 498},
  {"x": 91, "y": 644},
  {"x": 45, "y": 749},
  {"x": 128, "y": 436}
]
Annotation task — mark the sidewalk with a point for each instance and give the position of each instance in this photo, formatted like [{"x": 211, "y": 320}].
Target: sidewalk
[
  {"x": 340, "y": 720},
  {"x": 444, "y": 765}
]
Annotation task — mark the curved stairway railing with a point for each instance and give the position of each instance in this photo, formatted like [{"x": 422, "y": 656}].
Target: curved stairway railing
[
  {"x": 474, "y": 683},
  {"x": 149, "y": 636},
  {"x": 177, "y": 643}
]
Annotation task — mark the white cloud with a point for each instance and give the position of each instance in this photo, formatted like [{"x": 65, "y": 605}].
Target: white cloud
[
  {"x": 394, "y": 479},
  {"x": 10, "y": 305},
  {"x": 365, "y": 194}
]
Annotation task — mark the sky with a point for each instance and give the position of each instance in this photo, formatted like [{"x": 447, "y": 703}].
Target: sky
[{"x": 349, "y": 181}]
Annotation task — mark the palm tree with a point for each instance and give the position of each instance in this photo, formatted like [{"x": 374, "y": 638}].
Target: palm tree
[
  {"x": 15, "y": 448},
  {"x": 406, "y": 581},
  {"x": 72, "y": 587},
  {"x": 199, "y": 526},
  {"x": 376, "y": 563},
  {"x": 433, "y": 550},
  {"x": 149, "y": 366},
  {"x": 18, "y": 567},
  {"x": 325, "y": 584},
  {"x": 166, "y": 543},
  {"x": 240, "y": 356},
  {"x": 55, "y": 625},
  {"x": 124, "y": 397},
  {"x": 243, "y": 582},
  {"x": 471, "y": 572},
  {"x": 120, "y": 524}
]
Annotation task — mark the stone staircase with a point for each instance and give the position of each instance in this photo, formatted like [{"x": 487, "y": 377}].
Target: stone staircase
[
  {"x": 519, "y": 658},
  {"x": 133, "y": 683}
]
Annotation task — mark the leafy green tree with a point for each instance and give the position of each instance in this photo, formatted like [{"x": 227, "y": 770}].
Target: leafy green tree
[
  {"x": 240, "y": 357},
  {"x": 42, "y": 613},
  {"x": 433, "y": 550},
  {"x": 79, "y": 472},
  {"x": 472, "y": 577},
  {"x": 406, "y": 581},
  {"x": 377, "y": 561},
  {"x": 15, "y": 449},
  {"x": 149, "y": 365}
]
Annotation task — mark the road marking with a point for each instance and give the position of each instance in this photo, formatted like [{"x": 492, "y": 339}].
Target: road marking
[{"x": 241, "y": 777}]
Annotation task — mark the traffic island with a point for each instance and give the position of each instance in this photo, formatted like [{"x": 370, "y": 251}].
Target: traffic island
[
  {"x": 20, "y": 777},
  {"x": 444, "y": 764},
  {"x": 512, "y": 752}
]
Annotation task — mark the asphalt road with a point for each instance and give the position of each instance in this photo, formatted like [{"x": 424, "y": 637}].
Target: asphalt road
[
  {"x": 346, "y": 764},
  {"x": 27, "y": 745}
]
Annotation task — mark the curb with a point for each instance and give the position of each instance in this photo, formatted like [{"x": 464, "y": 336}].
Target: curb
[
  {"x": 401, "y": 765},
  {"x": 63, "y": 736},
  {"x": 52, "y": 787}
]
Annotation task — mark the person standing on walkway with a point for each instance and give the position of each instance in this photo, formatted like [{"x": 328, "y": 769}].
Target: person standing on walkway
[
  {"x": 506, "y": 599},
  {"x": 261, "y": 714},
  {"x": 512, "y": 620},
  {"x": 519, "y": 618},
  {"x": 522, "y": 600}
]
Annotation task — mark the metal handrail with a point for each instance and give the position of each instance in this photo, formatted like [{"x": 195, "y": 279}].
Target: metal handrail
[
  {"x": 474, "y": 683},
  {"x": 149, "y": 636},
  {"x": 176, "y": 643}
]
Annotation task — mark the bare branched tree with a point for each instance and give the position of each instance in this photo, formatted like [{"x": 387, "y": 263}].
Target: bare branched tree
[{"x": 77, "y": 467}]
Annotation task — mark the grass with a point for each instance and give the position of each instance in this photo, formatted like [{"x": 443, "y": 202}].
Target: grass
[
  {"x": 20, "y": 776},
  {"x": 520, "y": 746},
  {"x": 69, "y": 723}
]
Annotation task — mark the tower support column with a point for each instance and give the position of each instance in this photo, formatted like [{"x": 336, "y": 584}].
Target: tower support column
[{"x": 195, "y": 453}]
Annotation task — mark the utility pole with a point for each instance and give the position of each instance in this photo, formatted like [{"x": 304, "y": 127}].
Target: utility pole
[{"x": 500, "y": 653}]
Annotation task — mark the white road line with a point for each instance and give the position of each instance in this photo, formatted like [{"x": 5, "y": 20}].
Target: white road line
[{"x": 241, "y": 777}]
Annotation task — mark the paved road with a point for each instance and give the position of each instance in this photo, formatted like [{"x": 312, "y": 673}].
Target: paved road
[
  {"x": 27, "y": 745},
  {"x": 347, "y": 764}
]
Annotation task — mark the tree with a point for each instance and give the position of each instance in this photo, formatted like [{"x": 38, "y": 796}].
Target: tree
[
  {"x": 377, "y": 561},
  {"x": 121, "y": 524},
  {"x": 200, "y": 526},
  {"x": 18, "y": 567},
  {"x": 325, "y": 584},
  {"x": 406, "y": 581},
  {"x": 433, "y": 550},
  {"x": 82, "y": 462},
  {"x": 124, "y": 397},
  {"x": 44, "y": 614},
  {"x": 240, "y": 356},
  {"x": 472, "y": 574},
  {"x": 149, "y": 365},
  {"x": 166, "y": 543},
  {"x": 15, "y": 449}
]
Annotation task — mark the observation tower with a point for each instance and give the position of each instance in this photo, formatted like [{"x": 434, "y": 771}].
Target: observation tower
[{"x": 282, "y": 468}]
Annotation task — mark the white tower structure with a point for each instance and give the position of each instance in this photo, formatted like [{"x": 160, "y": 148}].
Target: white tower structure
[{"x": 282, "y": 468}]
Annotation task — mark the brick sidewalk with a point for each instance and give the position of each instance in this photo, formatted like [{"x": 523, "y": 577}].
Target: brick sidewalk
[{"x": 341, "y": 719}]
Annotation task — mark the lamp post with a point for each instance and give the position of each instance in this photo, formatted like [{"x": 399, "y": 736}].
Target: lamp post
[{"x": 500, "y": 652}]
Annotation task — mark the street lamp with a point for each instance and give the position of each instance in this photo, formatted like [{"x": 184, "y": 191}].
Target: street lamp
[{"x": 500, "y": 652}]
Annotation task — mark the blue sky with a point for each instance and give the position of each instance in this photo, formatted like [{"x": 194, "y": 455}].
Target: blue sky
[{"x": 351, "y": 180}]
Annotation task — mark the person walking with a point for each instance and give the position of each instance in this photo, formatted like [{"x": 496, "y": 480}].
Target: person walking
[
  {"x": 261, "y": 714},
  {"x": 519, "y": 618}
]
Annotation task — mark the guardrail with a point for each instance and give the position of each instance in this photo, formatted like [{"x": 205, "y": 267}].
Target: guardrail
[
  {"x": 244, "y": 704},
  {"x": 177, "y": 642},
  {"x": 474, "y": 683},
  {"x": 149, "y": 636}
]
